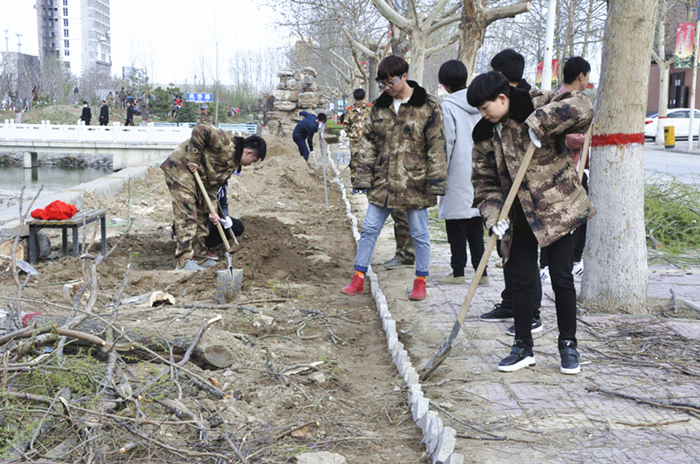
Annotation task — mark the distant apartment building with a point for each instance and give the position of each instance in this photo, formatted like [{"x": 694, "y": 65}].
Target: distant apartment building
[{"x": 77, "y": 32}]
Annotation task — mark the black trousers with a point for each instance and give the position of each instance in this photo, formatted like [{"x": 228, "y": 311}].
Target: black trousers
[
  {"x": 214, "y": 237},
  {"x": 581, "y": 231},
  {"x": 459, "y": 232},
  {"x": 526, "y": 279},
  {"x": 580, "y": 238}
]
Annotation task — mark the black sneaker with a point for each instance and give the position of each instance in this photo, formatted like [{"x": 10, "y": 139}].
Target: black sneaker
[
  {"x": 536, "y": 327},
  {"x": 569, "y": 357},
  {"x": 497, "y": 314},
  {"x": 520, "y": 356}
]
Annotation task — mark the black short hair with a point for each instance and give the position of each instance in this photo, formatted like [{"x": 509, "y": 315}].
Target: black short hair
[
  {"x": 359, "y": 94},
  {"x": 509, "y": 63},
  {"x": 487, "y": 87},
  {"x": 392, "y": 66},
  {"x": 573, "y": 67},
  {"x": 453, "y": 74},
  {"x": 322, "y": 118},
  {"x": 84, "y": 102},
  {"x": 257, "y": 144}
]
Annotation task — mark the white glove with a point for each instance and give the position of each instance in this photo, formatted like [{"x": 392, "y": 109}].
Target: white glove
[
  {"x": 226, "y": 222},
  {"x": 534, "y": 138},
  {"x": 500, "y": 228}
]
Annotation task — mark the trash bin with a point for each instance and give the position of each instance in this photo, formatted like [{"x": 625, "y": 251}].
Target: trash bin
[{"x": 670, "y": 137}]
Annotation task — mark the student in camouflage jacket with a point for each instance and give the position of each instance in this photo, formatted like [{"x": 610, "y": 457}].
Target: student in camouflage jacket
[
  {"x": 215, "y": 155},
  {"x": 550, "y": 205},
  {"x": 402, "y": 165},
  {"x": 204, "y": 117},
  {"x": 354, "y": 122}
]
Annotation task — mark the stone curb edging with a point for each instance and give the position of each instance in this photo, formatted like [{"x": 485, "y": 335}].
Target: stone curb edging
[{"x": 439, "y": 440}]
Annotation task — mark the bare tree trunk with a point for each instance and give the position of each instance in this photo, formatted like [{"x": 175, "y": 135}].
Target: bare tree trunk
[
  {"x": 372, "y": 88},
  {"x": 418, "y": 53},
  {"x": 616, "y": 255},
  {"x": 475, "y": 19},
  {"x": 664, "y": 68}
]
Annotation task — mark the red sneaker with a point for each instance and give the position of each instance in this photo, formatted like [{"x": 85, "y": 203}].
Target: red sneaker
[
  {"x": 418, "y": 292},
  {"x": 356, "y": 287}
]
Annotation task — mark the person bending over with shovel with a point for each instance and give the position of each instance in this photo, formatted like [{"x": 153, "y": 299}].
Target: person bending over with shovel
[
  {"x": 214, "y": 155},
  {"x": 550, "y": 204}
]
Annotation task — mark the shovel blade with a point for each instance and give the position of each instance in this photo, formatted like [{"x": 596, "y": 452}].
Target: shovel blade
[
  {"x": 437, "y": 359},
  {"x": 228, "y": 284},
  {"x": 444, "y": 351}
]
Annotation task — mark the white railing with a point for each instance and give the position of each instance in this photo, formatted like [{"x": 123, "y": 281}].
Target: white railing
[{"x": 9, "y": 131}]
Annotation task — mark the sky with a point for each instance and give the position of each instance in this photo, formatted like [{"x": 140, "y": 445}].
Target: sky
[{"x": 167, "y": 37}]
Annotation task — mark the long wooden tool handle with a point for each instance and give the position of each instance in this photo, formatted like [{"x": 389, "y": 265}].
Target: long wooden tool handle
[
  {"x": 492, "y": 240},
  {"x": 212, "y": 210},
  {"x": 584, "y": 153}
]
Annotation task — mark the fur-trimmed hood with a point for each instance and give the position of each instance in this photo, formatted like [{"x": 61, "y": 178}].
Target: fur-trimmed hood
[{"x": 419, "y": 97}]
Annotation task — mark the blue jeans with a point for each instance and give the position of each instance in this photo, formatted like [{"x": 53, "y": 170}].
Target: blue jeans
[{"x": 374, "y": 221}]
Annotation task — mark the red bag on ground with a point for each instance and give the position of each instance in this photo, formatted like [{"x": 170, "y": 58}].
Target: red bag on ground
[{"x": 55, "y": 210}]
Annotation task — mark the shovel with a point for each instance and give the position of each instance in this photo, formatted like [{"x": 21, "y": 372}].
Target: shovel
[
  {"x": 23, "y": 265},
  {"x": 228, "y": 281},
  {"x": 439, "y": 357}
]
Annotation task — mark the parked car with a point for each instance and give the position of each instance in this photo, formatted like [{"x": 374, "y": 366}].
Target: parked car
[{"x": 677, "y": 117}]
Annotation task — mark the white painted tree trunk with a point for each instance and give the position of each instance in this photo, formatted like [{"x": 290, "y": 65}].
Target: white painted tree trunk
[
  {"x": 663, "y": 102},
  {"x": 615, "y": 278},
  {"x": 664, "y": 68}
]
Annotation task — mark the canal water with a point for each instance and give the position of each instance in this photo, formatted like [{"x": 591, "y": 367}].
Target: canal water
[{"x": 54, "y": 178}]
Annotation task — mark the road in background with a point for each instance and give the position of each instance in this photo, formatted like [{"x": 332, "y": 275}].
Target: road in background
[{"x": 666, "y": 163}]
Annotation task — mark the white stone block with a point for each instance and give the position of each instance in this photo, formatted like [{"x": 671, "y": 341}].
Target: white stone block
[
  {"x": 405, "y": 364},
  {"x": 410, "y": 371},
  {"x": 435, "y": 434},
  {"x": 413, "y": 379},
  {"x": 392, "y": 340},
  {"x": 423, "y": 422},
  {"x": 446, "y": 445},
  {"x": 455, "y": 459},
  {"x": 420, "y": 409}
]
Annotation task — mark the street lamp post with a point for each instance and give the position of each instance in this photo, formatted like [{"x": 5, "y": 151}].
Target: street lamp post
[
  {"x": 549, "y": 44},
  {"x": 693, "y": 86}
]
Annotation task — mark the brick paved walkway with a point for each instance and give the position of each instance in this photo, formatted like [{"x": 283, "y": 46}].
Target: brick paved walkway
[
  {"x": 547, "y": 417},
  {"x": 556, "y": 417}
]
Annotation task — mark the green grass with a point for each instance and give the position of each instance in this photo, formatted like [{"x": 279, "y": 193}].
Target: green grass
[{"x": 672, "y": 212}]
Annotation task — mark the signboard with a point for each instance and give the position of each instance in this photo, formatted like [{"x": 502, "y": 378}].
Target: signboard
[
  {"x": 199, "y": 97},
  {"x": 127, "y": 72},
  {"x": 683, "y": 55},
  {"x": 540, "y": 67}
]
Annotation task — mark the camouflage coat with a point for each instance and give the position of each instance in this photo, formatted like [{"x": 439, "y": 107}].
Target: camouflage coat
[
  {"x": 217, "y": 153},
  {"x": 354, "y": 121},
  {"x": 205, "y": 119},
  {"x": 402, "y": 159},
  {"x": 552, "y": 197}
]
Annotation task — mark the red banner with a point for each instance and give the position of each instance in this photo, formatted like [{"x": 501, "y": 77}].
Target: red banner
[
  {"x": 540, "y": 68},
  {"x": 685, "y": 35}
]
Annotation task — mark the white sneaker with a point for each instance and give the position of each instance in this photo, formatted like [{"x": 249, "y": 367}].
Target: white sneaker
[
  {"x": 544, "y": 275},
  {"x": 578, "y": 269}
]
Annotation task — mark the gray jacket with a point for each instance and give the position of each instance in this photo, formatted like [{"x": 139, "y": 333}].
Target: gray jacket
[{"x": 460, "y": 119}]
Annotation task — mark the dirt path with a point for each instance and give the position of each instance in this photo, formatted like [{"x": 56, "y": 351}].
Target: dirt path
[{"x": 296, "y": 254}]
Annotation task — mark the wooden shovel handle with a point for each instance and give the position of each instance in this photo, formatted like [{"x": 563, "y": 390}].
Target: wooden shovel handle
[
  {"x": 584, "y": 153},
  {"x": 211, "y": 209},
  {"x": 492, "y": 240}
]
